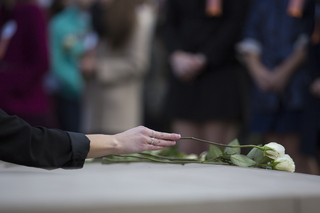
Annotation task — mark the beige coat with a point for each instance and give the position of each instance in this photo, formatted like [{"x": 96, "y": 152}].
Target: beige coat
[{"x": 113, "y": 101}]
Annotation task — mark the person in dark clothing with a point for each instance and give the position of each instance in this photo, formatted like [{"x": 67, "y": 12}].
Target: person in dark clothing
[
  {"x": 40, "y": 147},
  {"x": 206, "y": 95},
  {"x": 274, "y": 49}
]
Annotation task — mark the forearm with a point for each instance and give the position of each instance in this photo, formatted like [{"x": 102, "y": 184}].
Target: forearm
[
  {"x": 293, "y": 61},
  {"x": 260, "y": 74},
  {"x": 102, "y": 145},
  {"x": 253, "y": 63}
]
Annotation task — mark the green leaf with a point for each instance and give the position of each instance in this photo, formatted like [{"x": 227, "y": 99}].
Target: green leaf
[
  {"x": 252, "y": 153},
  {"x": 226, "y": 157},
  {"x": 242, "y": 160},
  {"x": 230, "y": 150},
  {"x": 258, "y": 156},
  {"x": 265, "y": 160},
  {"x": 214, "y": 152}
]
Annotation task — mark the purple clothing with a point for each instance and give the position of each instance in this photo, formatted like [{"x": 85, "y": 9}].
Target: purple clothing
[{"x": 25, "y": 62}]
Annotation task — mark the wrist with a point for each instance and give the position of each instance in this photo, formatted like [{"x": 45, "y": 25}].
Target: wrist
[
  {"x": 115, "y": 146},
  {"x": 102, "y": 145}
]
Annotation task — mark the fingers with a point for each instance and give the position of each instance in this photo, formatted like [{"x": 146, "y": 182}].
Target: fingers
[
  {"x": 161, "y": 139},
  {"x": 160, "y": 142},
  {"x": 164, "y": 136},
  {"x": 167, "y": 136},
  {"x": 141, "y": 139}
]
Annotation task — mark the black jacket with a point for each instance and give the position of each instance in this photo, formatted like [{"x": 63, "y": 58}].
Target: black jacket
[{"x": 40, "y": 147}]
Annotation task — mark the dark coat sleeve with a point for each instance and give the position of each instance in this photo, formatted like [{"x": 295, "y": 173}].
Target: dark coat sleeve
[{"x": 40, "y": 147}]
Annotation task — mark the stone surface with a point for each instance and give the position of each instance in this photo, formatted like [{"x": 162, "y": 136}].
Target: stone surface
[{"x": 152, "y": 187}]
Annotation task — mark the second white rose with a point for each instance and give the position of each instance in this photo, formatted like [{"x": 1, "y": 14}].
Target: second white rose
[
  {"x": 285, "y": 163},
  {"x": 278, "y": 150}
]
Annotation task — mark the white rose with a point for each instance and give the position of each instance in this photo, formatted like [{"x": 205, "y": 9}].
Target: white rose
[
  {"x": 285, "y": 163},
  {"x": 278, "y": 150}
]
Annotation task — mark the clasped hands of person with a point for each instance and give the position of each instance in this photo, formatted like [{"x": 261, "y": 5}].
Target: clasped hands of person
[
  {"x": 187, "y": 66},
  {"x": 277, "y": 79},
  {"x": 267, "y": 80},
  {"x": 134, "y": 140}
]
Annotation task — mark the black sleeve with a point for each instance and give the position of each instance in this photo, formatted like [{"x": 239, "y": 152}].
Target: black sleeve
[{"x": 40, "y": 147}]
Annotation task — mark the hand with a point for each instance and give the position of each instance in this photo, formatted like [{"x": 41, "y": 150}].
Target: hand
[
  {"x": 187, "y": 66},
  {"x": 315, "y": 88},
  {"x": 134, "y": 140},
  {"x": 140, "y": 139},
  {"x": 181, "y": 64}
]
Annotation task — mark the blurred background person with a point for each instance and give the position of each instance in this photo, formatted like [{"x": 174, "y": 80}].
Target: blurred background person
[
  {"x": 311, "y": 113},
  {"x": 114, "y": 94},
  {"x": 24, "y": 62},
  {"x": 71, "y": 39},
  {"x": 274, "y": 49},
  {"x": 206, "y": 94}
]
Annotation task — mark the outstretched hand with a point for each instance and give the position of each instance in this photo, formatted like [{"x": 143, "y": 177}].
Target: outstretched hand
[
  {"x": 134, "y": 140},
  {"x": 140, "y": 139}
]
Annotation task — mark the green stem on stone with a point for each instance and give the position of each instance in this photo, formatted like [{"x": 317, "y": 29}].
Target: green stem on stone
[
  {"x": 156, "y": 158},
  {"x": 220, "y": 144},
  {"x": 159, "y": 160},
  {"x": 108, "y": 160},
  {"x": 166, "y": 158},
  {"x": 171, "y": 160}
]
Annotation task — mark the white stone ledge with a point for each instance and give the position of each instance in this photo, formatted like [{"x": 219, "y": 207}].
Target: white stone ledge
[{"x": 153, "y": 188}]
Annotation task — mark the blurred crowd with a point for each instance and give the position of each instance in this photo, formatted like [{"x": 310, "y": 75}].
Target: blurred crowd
[{"x": 210, "y": 69}]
